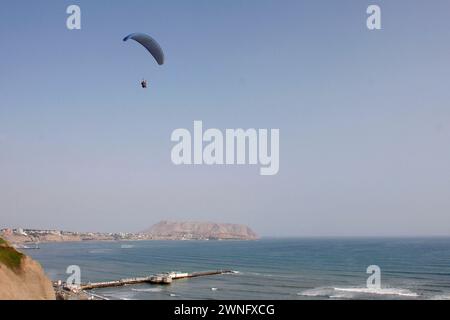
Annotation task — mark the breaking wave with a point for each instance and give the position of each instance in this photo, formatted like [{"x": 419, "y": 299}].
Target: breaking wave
[
  {"x": 382, "y": 291},
  {"x": 147, "y": 290},
  {"x": 97, "y": 251},
  {"x": 351, "y": 293},
  {"x": 126, "y": 246},
  {"x": 441, "y": 297}
]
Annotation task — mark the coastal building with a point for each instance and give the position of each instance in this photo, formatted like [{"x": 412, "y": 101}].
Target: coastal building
[{"x": 21, "y": 232}]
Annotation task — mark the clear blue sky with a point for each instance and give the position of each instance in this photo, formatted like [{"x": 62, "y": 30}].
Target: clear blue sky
[{"x": 364, "y": 117}]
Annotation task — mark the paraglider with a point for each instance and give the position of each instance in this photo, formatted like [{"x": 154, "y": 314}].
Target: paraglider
[{"x": 152, "y": 47}]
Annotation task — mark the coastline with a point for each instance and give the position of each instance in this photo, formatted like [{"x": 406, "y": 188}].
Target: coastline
[
  {"x": 117, "y": 240},
  {"x": 164, "y": 230}
]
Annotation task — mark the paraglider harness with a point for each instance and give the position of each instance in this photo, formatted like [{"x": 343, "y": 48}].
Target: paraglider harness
[{"x": 144, "y": 84}]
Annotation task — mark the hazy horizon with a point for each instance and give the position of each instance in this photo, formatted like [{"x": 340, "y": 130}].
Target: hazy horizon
[{"x": 363, "y": 116}]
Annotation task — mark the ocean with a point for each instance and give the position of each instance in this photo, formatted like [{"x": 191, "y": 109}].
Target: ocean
[{"x": 293, "y": 268}]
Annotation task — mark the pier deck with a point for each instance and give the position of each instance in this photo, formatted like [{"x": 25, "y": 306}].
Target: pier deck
[{"x": 165, "y": 278}]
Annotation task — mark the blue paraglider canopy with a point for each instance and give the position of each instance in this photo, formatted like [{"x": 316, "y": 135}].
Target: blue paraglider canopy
[{"x": 148, "y": 43}]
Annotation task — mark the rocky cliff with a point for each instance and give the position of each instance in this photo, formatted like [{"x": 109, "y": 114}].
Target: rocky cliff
[
  {"x": 22, "y": 278},
  {"x": 172, "y": 230}
]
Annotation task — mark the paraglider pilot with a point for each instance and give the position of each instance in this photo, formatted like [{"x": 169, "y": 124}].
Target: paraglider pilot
[{"x": 144, "y": 84}]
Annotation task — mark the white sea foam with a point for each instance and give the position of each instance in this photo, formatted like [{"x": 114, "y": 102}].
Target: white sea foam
[
  {"x": 441, "y": 297},
  {"x": 382, "y": 291},
  {"x": 126, "y": 246},
  {"x": 147, "y": 290},
  {"x": 97, "y": 251},
  {"x": 120, "y": 295},
  {"x": 351, "y": 293},
  {"x": 317, "y": 292},
  {"x": 339, "y": 296},
  {"x": 257, "y": 274}
]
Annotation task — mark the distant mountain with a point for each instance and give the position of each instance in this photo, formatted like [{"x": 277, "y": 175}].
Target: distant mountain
[{"x": 191, "y": 230}]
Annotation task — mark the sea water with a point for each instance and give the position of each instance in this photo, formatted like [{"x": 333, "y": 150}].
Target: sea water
[{"x": 264, "y": 269}]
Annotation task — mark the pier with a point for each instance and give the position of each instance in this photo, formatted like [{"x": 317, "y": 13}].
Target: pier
[{"x": 164, "y": 278}]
